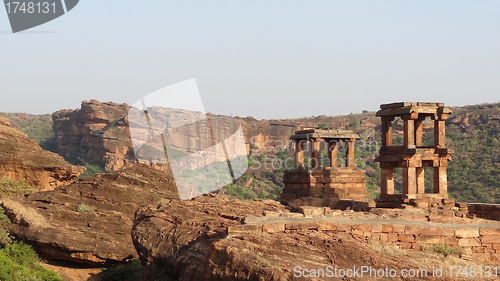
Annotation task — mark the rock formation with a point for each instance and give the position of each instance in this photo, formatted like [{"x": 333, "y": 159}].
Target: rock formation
[
  {"x": 23, "y": 159},
  {"x": 89, "y": 221},
  {"x": 96, "y": 133}
]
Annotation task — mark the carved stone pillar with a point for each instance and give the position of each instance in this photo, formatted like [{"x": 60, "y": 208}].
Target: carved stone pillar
[
  {"x": 387, "y": 131},
  {"x": 316, "y": 153},
  {"x": 299, "y": 154},
  {"x": 332, "y": 153},
  {"x": 409, "y": 180},
  {"x": 440, "y": 180},
  {"x": 420, "y": 180},
  {"x": 387, "y": 181}
]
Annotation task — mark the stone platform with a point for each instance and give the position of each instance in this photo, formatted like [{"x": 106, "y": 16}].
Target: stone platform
[{"x": 340, "y": 183}]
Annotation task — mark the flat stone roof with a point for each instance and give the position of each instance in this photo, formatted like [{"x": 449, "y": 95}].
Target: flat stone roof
[{"x": 324, "y": 133}]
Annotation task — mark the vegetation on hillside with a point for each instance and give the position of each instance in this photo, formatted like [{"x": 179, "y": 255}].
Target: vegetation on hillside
[
  {"x": 18, "y": 261},
  {"x": 10, "y": 187},
  {"x": 36, "y": 127}
]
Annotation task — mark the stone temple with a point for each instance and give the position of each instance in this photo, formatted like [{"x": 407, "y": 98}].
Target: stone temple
[
  {"x": 335, "y": 180},
  {"x": 412, "y": 157}
]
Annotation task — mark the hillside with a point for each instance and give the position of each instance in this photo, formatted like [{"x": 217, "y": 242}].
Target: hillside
[{"x": 36, "y": 127}]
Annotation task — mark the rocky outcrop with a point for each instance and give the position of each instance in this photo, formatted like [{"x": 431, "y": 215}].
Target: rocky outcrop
[
  {"x": 23, "y": 159},
  {"x": 89, "y": 221},
  {"x": 178, "y": 238},
  {"x": 95, "y": 133}
]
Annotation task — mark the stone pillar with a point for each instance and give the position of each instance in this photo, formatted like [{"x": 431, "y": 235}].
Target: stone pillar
[
  {"x": 316, "y": 153},
  {"x": 350, "y": 154},
  {"x": 387, "y": 131},
  {"x": 299, "y": 154},
  {"x": 409, "y": 180},
  {"x": 440, "y": 180},
  {"x": 420, "y": 180},
  {"x": 419, "y": 132},
  {"x": 439, "y": 133},
  {"x": 332, "y": 153},
  {"x": 387, "y": 181},
  {"x": 409, "y": 131}
]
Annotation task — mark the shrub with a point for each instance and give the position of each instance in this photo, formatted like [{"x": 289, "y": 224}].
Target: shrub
[
  {"x": 85, "y": 208},
  {"x": 19, "y": 262},
  {"x": 130, "y": 272},
  {"x": 322, "y": 126},
  {"x": 4, "y": 234},
  {"x": 91, "y": 171},
  {"x": 10, "y": 187},
  {"x": 446, "y": 250}
]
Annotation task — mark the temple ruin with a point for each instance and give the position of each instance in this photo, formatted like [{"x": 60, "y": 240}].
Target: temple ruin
[
  {"x": 335, "y": 180},
  {"x": 413, "y": 156}
]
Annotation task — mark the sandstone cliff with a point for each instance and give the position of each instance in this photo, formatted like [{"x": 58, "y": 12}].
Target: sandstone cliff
[
  {"x": 96, "y": 133},
  {"x": 23, "y": 159}
]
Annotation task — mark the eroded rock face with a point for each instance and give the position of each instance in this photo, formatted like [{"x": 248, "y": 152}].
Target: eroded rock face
[
  {"x": 23, "y": 159},
  {"x": 178, "y": 239},
  {"x": 60, "y": 228},
  {"x": 97, "y": 132}
]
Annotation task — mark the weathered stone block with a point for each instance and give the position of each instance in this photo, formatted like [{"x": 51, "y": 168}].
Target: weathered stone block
[
  {"x": 375, "y": 237},
  {"x": 357, "y": 232},
  {"x": 343, "y": 227},
  {"x": 301, "y": 226},
  {"x": 362, "y": 227},
  {"x": 397, "y": 228},
  {"x": 415, "y": 230},
  {"x": 244, "y": 229},
  {"x": 384, "y": 237},
  {"x": 448, "y": 232},
  {"x": 491, "y": 239},
  {"x": 393, "y": 237},
  {"x": 466, "y": 232},
  {"x": 469, "y": 242},
  {"x": 377, "y": 228},
  {"x": 451, "y": 240},
  {"x": 432, "y": 231},
  {"x": 406, "y": 238},
  {"x": 387, "y": 228},
  {"x": 489, "y": 231},
  {"x": 405, "y": 245},
  {"x": 427, "y": 239},
  {"x": 325, "y": 226},
  {"x": 278, "y": 227}
]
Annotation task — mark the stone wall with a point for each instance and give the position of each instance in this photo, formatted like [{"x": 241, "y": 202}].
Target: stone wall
[
  {"x": 479, "y": 241},
  {"x": 341, "y": 183},
  {"x": 484, "y": 211}
]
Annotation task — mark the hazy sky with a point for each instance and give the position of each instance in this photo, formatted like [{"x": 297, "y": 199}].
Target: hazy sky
[{"x": 267, "y": 59}]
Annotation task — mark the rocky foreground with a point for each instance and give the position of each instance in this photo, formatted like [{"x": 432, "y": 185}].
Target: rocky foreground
[
  {"x": 136, "y": 212},
  {"x": 23, "y": 159},
  {"x": 213, "y": 238},
  {"x": 89, "y": 221}
]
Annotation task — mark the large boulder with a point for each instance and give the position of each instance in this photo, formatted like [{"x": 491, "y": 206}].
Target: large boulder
[
  {"x": 23, "y": 159},
  {"x": 89, "y": 221},
  {"x": 186, "y": 240}
]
